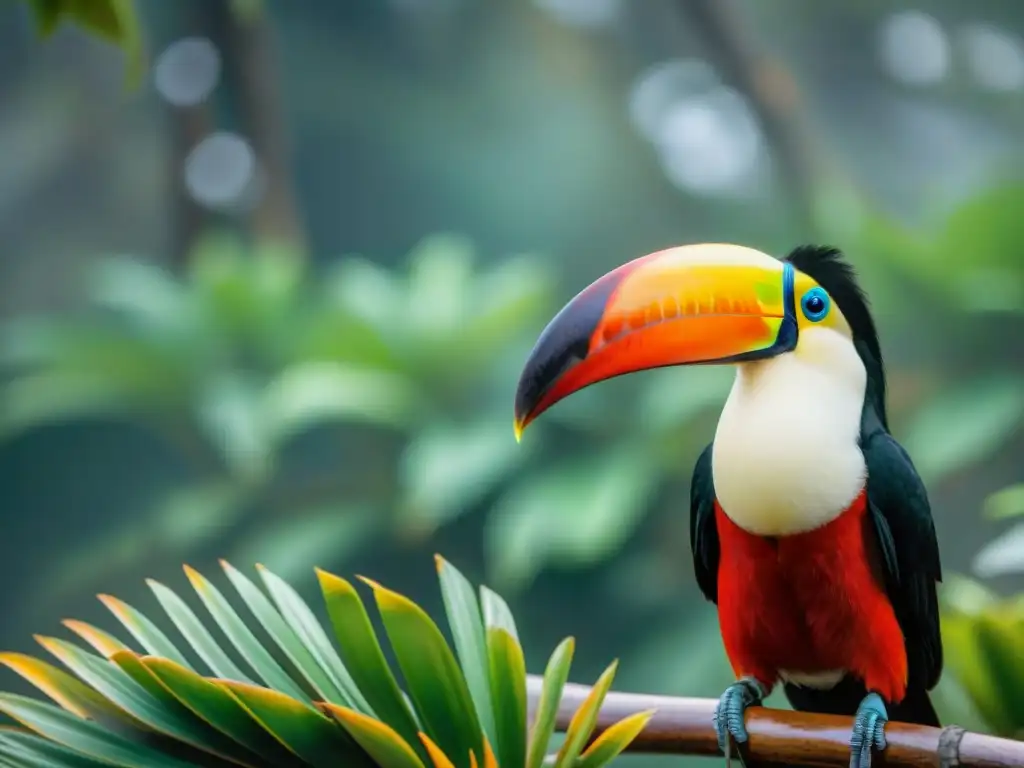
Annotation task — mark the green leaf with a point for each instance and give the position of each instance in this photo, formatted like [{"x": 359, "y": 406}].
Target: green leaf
[
  {"x": 437, "y": 757},
  {"x": 964, "y": 595},
  {"x": 113, "y": 20},
  {"x": 134, "y": 667},
  {"x": 381, "y": 742},
  {"x": 198, "y": 637},
  {"x": 144, "y": 293},
  {"x": 964, "y": 425},
  {"x": 656, "y": 666},
  {"x": 497, "y": 613},
  {"x": 304, "y": 730},
  {"x": 117, "y": 686},
  {"x": 364, "y": 657},
  {"x": 288, "y": 544},
  {"x": 214, "y": 705},
  {"x": 144, "y": 631},
  {"x": 448, "y": 468},
  {"x": 188, "y": 516},
  {"x": 555, "y": 676},
  {"x": 126, "y": 692},
  {"x": 83, "y": 736},
  {"x": 675, "y": 396},
  {"x": 242, "y": 638},
  {"x": 102, "y": 17},
  {"x": 510, "y": 299},
  {"x": 327, "y": 332},
  {"x": 283, "y": 633},
  {"x": 508, "y": 689},
  {"x": 436, "y": 684},
  {"x": 103, "y": 642},
  {"x": 953, "y": 704},
  {"x": 371, "y": 293},
  {"x": 1008, "y": 502},
  {"x": 47, "y": 14},
  {"x": 466, "y": 623},
  {"x": 310, "y": 395},
  {"x": 27, "y": 749},
  {"x": 439, "y": 278},
  {"x": 68, "y": 692},
  {"x": 1003, "y": 555},
  {"x": 582, "y": 723},
  {"x": 612, "y": 742},
  {"x": 986, "y": 226},
  {"x": 572, "y": 514},
  {"x": 31, "y": 402},
  {"x": 998, "y": 635},
  {"x": 304, "y": 623},
  {"x": 229, "y": 410}
]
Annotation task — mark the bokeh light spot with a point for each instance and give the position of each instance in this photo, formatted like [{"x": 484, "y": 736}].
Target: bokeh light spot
[
  {"x": 914, "y": 48},
  {"x": 995, "y": 57},
  {"x": 187, "y": 71},
  {"x": 583, "y": 13},
  {"x": 220, "y": 170},
  {"x": 710, "y": 143},
  {"x": 662, "y": 86}
]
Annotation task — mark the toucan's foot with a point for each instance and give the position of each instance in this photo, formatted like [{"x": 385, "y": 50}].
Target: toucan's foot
[
  {"x": 868, "y": 730},
  {"x": 728, "y": 719}
]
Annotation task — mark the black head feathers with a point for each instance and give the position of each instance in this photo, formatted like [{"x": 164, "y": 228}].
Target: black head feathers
[{"x": 835, "y": 274}]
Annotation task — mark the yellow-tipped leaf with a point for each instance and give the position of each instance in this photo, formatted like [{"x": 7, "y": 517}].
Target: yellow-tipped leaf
[
  {"x": 436, "y": 684},
  {"x": 437, "y": 757},
  {"x": 582, "y": 723},
  {"x": 614, "y": 740},
  {"x": 319, "y": 741},
  {"x": 508, "y": 690},
  {"x": 555, "y": 676},
  {"x": 362, "y": 654},
  {"x": 381, "y": 741}
]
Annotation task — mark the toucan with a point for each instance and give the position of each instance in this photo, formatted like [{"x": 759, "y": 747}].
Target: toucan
[{"x": 810, "y": 529}]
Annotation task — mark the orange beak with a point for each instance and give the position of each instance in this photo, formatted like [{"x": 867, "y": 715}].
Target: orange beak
[{"x": 695, "y": 304}]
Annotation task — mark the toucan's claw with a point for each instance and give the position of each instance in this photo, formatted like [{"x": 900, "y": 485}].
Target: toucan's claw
[
  {"x": 868, "y": 731},
  {"x": 732, "y": 706}
]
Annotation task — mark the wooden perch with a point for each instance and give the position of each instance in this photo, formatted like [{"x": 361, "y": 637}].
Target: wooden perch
[{"x": 682, "y": 726}]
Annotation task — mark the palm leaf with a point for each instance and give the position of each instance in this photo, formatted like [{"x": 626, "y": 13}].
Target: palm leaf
[
  {"x": 337, "y": 701},
  {"x": 555, "y": 676}
]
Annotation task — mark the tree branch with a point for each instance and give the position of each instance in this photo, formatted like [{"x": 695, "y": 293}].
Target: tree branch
[
  {"x": 781, "y": 737},
  {"x": 773, "y": 93},
  {"x": 251, "y": 58}
]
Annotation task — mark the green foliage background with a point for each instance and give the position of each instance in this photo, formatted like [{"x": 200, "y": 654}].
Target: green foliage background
[{"x": 289, "y": 405}]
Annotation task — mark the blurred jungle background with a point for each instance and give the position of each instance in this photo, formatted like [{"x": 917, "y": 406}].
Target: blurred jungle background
[{"x": 268, "y": 279}]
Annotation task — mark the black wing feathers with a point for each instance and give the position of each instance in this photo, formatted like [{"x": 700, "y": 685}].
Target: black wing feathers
[
  {"x": 703, "y": 529},
  {"x": 906, "y": 535}
]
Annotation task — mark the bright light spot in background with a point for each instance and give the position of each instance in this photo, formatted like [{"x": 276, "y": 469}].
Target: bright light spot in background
[
  {"x": 583, "y": 13},
  {"x": 187, "y": 71},
  {"x": 994, "y": 57},
  {"x": 662, "y": 86},
  {"x": 914, "y": 48},
  {"x": 710, "y": 143},
  {"x": 706, "y": 135},
  {"x": 221, "y": 171}
]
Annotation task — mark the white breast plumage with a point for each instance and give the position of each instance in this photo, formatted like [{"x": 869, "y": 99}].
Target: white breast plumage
[{"x": 786, "y": 457}]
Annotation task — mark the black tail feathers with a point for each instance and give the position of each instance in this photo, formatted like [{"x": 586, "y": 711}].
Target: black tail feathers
[{"x": 916, "y": 707}]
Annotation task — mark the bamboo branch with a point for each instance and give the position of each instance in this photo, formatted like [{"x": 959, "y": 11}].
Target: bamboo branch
[{"x": 682, "y": 726}]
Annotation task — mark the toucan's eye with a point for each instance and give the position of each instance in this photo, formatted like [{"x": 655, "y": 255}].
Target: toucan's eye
[{"x": 815, "y": 304}]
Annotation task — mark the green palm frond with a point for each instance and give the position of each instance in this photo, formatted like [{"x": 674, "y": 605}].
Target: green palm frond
[{"x": 307, "y": 700}]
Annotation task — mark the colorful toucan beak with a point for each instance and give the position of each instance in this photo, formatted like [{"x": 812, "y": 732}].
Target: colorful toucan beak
[{"x": 707, "y": 303}]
